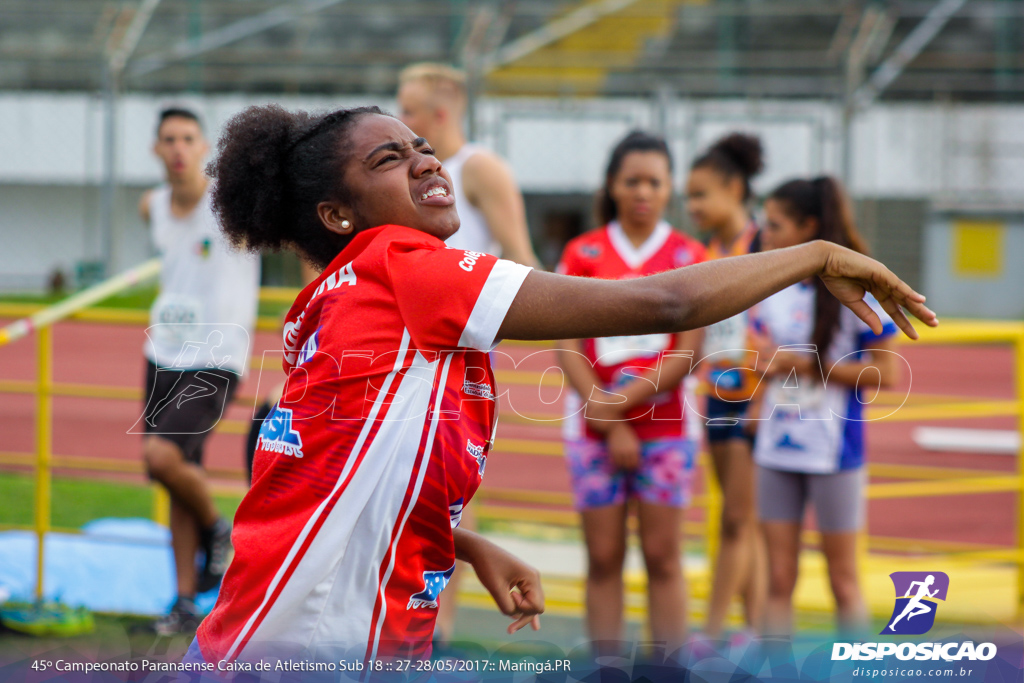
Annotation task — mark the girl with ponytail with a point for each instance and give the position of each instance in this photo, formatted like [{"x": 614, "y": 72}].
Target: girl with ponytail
[
  {"x": 810, "y": 443},
  {"x": 718, "y": 200},
  {"x": 350, "y": 530}
]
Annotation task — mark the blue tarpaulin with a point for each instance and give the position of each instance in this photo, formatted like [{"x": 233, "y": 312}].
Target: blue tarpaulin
[{"x": 123, "y": 566}]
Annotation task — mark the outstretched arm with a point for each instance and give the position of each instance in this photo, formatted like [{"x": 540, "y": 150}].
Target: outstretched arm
[{"x": 550, "y": 306}]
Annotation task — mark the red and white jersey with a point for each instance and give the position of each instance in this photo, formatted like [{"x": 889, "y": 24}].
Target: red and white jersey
[
  {"x": 608, "y": 253},
  {"x": 345, "y": 540}
]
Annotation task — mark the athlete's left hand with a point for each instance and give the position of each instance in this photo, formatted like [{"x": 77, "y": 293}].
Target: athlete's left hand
[
  {"x": 514, "y": 585},
  {"x": 848, "y": 275}
]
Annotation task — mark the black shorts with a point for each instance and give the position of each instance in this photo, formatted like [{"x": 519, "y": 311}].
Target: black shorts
[{"x": 183, "y": 406}]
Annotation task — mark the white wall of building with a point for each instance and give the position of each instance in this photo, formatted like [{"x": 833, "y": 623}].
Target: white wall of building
[{"x": 51, "y": 155}]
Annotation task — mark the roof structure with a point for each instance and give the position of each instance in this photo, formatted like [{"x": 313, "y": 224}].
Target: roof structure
[{"x": 961, "y": 50}]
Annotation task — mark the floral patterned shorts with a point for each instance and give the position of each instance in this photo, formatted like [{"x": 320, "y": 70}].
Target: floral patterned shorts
[{"x": 663, "y": 478}]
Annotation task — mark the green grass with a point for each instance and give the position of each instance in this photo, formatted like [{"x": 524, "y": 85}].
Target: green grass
[
  {"x": 138, "y": 298},
  {"x": 78, "y": 501}
]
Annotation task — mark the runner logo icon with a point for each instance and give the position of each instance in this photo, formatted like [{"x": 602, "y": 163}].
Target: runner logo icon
[
  {"x": 433, "y": 584},
  {"x": 916, "y": 595}
]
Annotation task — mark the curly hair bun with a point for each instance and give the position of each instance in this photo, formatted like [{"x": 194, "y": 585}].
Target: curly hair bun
[
  {"x": 249, "y": 194},
  {"x": 744, "y": 150}
]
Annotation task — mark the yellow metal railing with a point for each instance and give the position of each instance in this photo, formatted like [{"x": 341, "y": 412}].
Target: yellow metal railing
[
  {"x": 41, "y": 322},
  {"x": 912, "y": 480}
]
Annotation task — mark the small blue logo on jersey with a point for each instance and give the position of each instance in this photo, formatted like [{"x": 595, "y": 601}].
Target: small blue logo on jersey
[
  {"x": 478, "y": 453},
  {"x": 916, "y": 593},
  {"x": 309, "y": 348},
  {"x": 455, "y": 512},
  {"x": 433, "y": 584},
  {"x": 277, "y": 434},
  {"x": 787, "y": 442}
]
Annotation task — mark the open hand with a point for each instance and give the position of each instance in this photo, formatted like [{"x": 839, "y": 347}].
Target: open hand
[{"x": 848, "y": 275}]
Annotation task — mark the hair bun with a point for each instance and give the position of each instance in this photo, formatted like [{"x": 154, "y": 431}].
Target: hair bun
[{"x": 744, "y": 150}]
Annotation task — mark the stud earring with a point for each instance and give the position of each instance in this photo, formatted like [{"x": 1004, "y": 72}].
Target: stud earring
[{"x": 345, "y": 225}]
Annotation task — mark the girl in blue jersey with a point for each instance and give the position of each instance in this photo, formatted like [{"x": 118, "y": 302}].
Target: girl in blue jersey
[{"x": 824, "y": 362}]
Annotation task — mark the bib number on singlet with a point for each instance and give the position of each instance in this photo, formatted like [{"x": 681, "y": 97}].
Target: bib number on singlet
[
  {"x": 727, "y": 337},
  {"x": 618, "y": 350},
  {"x": 174, "y": 318}
]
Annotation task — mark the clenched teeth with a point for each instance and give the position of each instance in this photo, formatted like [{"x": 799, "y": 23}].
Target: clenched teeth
[{"x": 434, "y": 192}]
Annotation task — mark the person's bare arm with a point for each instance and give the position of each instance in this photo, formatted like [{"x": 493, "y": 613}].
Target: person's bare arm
[
  {"x": 550, "y": 306},
  {"x": 490, "y": 187},
  {"x": 514, "y": 585},
  {"x": 144, "y": 205}
]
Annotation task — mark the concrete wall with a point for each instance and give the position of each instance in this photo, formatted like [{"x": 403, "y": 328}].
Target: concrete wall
[{"x": 51, "y": 158}]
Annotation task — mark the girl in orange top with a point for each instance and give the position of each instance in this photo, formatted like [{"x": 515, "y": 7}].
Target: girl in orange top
[{"x": 718, "y": 196}]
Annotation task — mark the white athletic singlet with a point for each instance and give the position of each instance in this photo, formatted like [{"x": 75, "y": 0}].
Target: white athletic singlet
[
  {"x": 206, "y": 310},
  {"x": 473, "y": 234}
]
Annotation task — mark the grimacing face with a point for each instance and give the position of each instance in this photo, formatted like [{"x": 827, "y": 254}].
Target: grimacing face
[
  {"x": 181, "y": 146},
  {"x": 712, "y": 200},
  {"x": 642, "y": 188},
  {"x": 395, "y": 178}
]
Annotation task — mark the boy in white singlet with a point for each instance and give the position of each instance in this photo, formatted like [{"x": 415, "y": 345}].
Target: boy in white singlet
[{"x": 197, "y": 349}]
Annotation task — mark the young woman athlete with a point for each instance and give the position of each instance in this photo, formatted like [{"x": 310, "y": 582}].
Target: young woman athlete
[
  {"x": 810, "y": 442},
  {"x": 635, "y": 450},
  {"x": 718, "y": 199},
  {"x": 350, "y": 529}
]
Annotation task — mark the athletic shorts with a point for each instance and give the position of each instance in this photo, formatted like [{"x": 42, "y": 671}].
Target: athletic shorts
[
  {"x": 725, "y": 420},
  {"x": 663, "y": 478},
  {"x": 838, "y": 498},
  {"x": 183, "y": 406}
]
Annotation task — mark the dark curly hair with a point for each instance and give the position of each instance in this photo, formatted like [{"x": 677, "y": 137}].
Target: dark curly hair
[
  {"x": 737, "y": 155},
  {"x": 635, "y": 141},
  {"x": 824, "y": 200},
  {"x": 272, "y": 169}
]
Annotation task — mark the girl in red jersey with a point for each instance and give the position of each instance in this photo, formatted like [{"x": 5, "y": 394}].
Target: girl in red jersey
[
  {"x": 718, "y": 196},
  {"x": 636, "y": 449},
  {"x": 350, "y": 529}
]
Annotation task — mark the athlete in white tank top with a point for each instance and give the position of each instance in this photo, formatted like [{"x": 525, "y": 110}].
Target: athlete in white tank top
[
  {"x": 473, "y": 233},
  {"x": 209, "y": 291}
]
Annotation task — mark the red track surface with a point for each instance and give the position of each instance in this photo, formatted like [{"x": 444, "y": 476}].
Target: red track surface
[{"x": 89, "y": 353}]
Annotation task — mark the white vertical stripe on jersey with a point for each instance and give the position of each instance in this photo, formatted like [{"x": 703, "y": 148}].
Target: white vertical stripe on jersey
[
  {"x": 329, "y": 599},
  {"x": 290, "y": 557},
  {"x": 427, "y": 448},
  {"x": 503, "y": 283}
]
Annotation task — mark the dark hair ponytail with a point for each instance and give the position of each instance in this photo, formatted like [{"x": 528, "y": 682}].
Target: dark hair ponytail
[
  {"x": 737, "y": 155},
  {"x": 636, "y": 141},
  {"x": 824, "y": 200},
  {"x": 272, "y": 169}
]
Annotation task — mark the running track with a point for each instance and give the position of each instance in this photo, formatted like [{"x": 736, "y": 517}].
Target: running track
[{"x": 89, "y": 353}]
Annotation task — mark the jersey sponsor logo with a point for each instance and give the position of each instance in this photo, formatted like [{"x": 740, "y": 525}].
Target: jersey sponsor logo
[
  {"x": 683, "y": 256},
  {"x": 591, "y": 250},
  {"x": 343, "y": 276},
  {"x": 914, "y": 613},
  {"x": 309, "y": 348},
  {"x": 455, "y": 512},
  {"x": 469, "y": 260},
  {"x": 433, "y": 584},
  {"x": 478, "y": 453},
  {"x": 278, "y": 436},
  {"x": 290, "y": 335},
  {"x": 481, "y": 389}
]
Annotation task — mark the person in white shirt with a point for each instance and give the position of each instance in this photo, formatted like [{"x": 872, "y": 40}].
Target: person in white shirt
[
  {"x": 822, "y": 365},
  {"x": 197, "y": 349}
]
